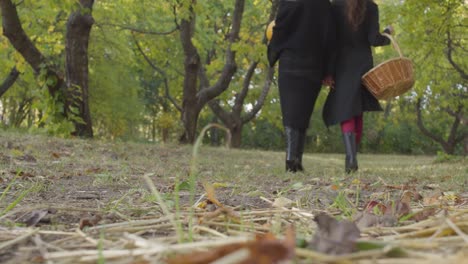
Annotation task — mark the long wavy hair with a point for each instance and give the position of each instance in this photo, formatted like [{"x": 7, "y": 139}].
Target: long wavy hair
[{"x": 356, "y": 12}]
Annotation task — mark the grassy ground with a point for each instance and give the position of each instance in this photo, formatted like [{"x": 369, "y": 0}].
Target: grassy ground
[{"x": 76, "y": 179}]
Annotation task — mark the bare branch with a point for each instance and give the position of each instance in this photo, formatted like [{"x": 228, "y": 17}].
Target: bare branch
[
  {"x": 218, "y": 110},
  {"x": 423, "y": 129},
  {"x": 452, "y": 139},
  {"x": 456, "y": 114},
  {"x": 139, "y": 30},
  {"x": 230, "y": 66},
  {"x": 13, "y": 30},
  {"x": 261, "y": 100},
  {"x": 449, "y": 54},
  {"x": 9, "y": 81},
  {"x": 240, "y": 98},
  {"x": 160, "y": 71}
]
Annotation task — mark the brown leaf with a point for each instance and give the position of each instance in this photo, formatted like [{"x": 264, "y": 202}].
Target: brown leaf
[
  {"x": 333, "y": 236},
  {"x": 365, "y": 219},
  {"x": 265, "y": 249},
  {"x": 375, "y": 206},
  {"x": 461, "y": 199},
  {"x": 23, "y": 174},
  {"x": 433, "y": 199},
  {"x": 211, "y": 194},
  {"x": 399, "y": 187},
  {"x": 424, "y": 214},
  {"x": 202, "y": 257},
  {"x": 27, "y": 158},
  {"x": 401, "y": 208},
  {"x": 228, "y": 212},
  {"x": 88, "y": 222}
]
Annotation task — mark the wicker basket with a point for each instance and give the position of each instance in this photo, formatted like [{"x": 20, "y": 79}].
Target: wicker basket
[{"x": 390, "y": 78}]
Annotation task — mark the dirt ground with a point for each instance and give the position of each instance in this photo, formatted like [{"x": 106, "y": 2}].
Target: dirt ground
[{"x": 72, "y": 181}]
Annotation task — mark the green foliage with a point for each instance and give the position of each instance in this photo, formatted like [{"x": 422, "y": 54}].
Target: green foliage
[
  {"x": 262, "y": 134},
  {"x": 128, "y": 96},
  {"x": 432, "y": 33},
  {"x": 443, "y": 157}
]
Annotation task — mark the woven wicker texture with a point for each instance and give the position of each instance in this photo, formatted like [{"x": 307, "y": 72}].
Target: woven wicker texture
[{"x": 390, "y": 78}]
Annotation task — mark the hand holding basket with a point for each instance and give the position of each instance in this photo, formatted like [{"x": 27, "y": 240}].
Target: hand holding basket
[{"x": 390, "y": 78}]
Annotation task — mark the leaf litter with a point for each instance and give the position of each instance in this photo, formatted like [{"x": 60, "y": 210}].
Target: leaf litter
[{"x": 411, "y": 227}]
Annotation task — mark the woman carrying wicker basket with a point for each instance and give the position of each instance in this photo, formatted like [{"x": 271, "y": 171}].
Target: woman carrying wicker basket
[
  {"x": 302, "y": 35},
  {"x": 357, "y": 23}
]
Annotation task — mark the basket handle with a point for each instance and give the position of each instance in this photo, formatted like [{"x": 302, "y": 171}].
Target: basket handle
[{"x": 394, "y": 43}]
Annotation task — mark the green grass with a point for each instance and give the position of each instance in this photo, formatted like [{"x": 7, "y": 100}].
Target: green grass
[
  {"x": 115, "y": 170},
  {"x": 145, "y": 181}
]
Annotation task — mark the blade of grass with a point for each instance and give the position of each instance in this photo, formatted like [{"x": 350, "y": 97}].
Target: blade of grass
[{"x": 194, "y": 171}]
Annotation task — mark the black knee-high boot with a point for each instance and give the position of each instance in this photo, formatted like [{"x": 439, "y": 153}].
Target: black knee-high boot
[
  {"x": 300, "y": 150},
  {"x": 351, "y": 164},
  {"x": 292, "y": 144}
]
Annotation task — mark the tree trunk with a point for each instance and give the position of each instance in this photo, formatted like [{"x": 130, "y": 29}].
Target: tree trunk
[
  {"x": 79, "y": 27},
  {"x": 190, "y": 116},
  {"x": 236, "y": 135},
  {"x": 193, "y": 99},
  {"x": 192, "y": 64},
  {"x": 13, "y": 30}
]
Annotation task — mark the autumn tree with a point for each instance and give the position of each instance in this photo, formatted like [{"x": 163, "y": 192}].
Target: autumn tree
[
  {"x": 70, "y": 89},
  {"x": 433, "y": 34},
  {"x": 234, "y": 114}
]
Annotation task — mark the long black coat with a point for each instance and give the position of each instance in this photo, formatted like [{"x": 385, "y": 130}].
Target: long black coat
[
  {"x": 301, "y": 41},
  {"x": 353, "y": 58}
]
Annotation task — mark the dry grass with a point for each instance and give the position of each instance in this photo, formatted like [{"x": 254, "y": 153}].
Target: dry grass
[{"x": 76, "y": 180}]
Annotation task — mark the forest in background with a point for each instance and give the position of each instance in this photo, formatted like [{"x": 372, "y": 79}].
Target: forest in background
[{"x": 159, "y": 71}]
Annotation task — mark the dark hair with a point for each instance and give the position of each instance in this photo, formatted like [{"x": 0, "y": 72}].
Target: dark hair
[{"x": 355, "y": 12}]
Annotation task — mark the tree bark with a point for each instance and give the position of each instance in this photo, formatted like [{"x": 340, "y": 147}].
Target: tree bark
[
  {"x": 9, "y": 81},
  {"x": 193, "y": 99},
  {"x": 235, "y": 120},
  {"x": 75, "y": 93},
  {"x": 13, "y": 30},
  {"x": 79, "y": 27},
  {"x": 192, "y": 64}
]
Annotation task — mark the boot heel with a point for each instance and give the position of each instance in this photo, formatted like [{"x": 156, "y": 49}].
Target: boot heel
[
  {"x": 292, "y": 144},
  {"x": 351, "y": 164}
]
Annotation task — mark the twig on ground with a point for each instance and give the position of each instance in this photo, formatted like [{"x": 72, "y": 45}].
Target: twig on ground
[{"x": 18, "y": 239}]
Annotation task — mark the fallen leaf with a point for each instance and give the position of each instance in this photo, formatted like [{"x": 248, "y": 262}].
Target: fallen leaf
[
  {"x": 434, "y": 199},
  {"x": 402, "y": 208},
  {"x": 228, "y": 212},
  {"x": 282, "y": 202},
  {"x": 89, "y": 222},
  {"x": 211, "y": 194},
  {"x": 365, "y": 219},
  {"x": 431, "y": 186},
  {"x": 399, "y": 187},
  {"x": 375, "y": 207},
  {"x": 35, "y": 217},
  {"x": 424, "y": 214},
  {"x": 27, "y": 158},
  {"x": 333, "y": 236},
  {"x": 265, "y": 249},
  {"x": 23, "y": 174}
]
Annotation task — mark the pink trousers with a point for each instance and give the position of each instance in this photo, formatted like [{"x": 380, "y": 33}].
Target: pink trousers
[{"x": 355, "y": 125}]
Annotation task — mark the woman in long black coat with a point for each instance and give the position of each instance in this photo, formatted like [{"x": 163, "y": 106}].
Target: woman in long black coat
[
  {"x": 302, "y": 36},
  {"x": 357, "y": 25}
]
